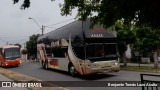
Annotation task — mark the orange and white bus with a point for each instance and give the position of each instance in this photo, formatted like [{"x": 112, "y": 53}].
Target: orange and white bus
[
  {"x": 10, "y": 56},
  {"x": 79, "y": 49}
]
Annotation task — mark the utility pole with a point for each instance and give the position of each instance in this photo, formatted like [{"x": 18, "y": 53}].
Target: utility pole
[{"x": 42, "y": 29}]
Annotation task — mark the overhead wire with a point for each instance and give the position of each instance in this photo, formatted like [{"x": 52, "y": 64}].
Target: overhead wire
[
  {"x": 48, "y": 26},
  {"x": 60, "y": 22}
]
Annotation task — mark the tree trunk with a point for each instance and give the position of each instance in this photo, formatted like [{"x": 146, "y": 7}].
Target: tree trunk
[
  {"x": 155, "y": 57},
  {"x": 128, "y": 52},
  {"x": 124, "y": 59}
]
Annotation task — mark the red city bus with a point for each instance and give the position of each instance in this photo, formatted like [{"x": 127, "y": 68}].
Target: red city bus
[{"x": 10, "y": 56}]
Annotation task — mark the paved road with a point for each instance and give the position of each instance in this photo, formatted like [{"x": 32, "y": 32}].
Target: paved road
[{"x": 34, "y": 69}]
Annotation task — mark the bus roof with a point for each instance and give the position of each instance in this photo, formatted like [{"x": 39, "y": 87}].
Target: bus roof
[
  {"x": 77, "y": 28},
  {"x": 10, "y": 46}
]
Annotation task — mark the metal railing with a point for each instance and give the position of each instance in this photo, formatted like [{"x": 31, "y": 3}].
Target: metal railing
[{"x": 146, "y": 82}]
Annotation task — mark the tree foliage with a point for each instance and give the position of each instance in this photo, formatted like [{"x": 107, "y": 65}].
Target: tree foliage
[
  {"x": 31, "y": 45},
  {"x": 149, "y": 38},
  {"x": 17, "y": 44},
  {"x": 125, "y": 32},
  {"x": 109, "y": 11}
]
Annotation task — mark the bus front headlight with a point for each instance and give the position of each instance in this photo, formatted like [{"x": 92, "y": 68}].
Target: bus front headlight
[
  {"x": 116, "y": 64},
  {"x": 94, "y": 65},
  {"x": 20, "y": 61},
  {"x": 6, "y": 63}
]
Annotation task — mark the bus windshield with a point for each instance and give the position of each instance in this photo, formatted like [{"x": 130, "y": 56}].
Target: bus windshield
[
  {"x": 96, "y": 51},
  {"x": 101, "y": 51},
  {"x": 12, "y": 53}
]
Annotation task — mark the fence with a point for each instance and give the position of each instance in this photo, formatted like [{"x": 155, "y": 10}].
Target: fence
[{"x": 150, "y": 81}]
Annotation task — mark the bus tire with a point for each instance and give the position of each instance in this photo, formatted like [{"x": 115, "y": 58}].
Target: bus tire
[
  {"x": 17, "y": 65},
  {"x": 46, "y": 65},
  {"x": 71, "y": 70},
  {"x": 43, "y": 64}
]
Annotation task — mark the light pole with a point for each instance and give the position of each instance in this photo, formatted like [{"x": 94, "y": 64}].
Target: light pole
[{"x": 42, "y": 28}]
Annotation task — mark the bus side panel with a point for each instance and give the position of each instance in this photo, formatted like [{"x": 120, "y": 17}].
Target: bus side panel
[
  {"x": 58, "y": 63},
  {"x": 53, "y": 63},
  {"x": 63, "y": 64}
]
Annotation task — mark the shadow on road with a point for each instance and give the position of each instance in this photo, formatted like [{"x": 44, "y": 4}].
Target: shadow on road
[
  {"x": 9, "y": 67},
  {"x": 96, "y": 76},
  {"x": 85, "y": 77}
]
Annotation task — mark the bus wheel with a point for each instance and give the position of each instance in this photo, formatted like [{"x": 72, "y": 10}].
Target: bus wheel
[
  {"x": 17, "y": 65},
  {"x": 46, "y": 65},
  {"x": 43, "y": 65},
  {"x": 71, "y": 70}
]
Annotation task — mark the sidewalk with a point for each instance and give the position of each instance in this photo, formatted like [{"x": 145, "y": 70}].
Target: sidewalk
[{"x": 4, "y": 78}]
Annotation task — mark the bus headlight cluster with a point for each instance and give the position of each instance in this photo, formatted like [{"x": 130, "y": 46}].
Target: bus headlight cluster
[
  {"x": 94, "y": 65},
  {"x": 6, "y": 63},
  {"x": 116, "y": 64},
  {"x": 20, "y": 61}
]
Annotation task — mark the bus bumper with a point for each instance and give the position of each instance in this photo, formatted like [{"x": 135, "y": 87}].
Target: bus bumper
[
  {"x": 113, "y": 68},
  {"x": 11, "y": 63}
]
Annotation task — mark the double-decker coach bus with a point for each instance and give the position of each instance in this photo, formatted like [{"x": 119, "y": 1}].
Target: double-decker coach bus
[
  {"x": 79, "y": 49},
  {"x": 10, "y": 56}
]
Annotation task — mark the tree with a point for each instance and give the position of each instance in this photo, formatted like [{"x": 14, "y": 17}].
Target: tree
[
  {"x": 150, "y": 41},
  {"x": 126, "y": 34},
  {"x": 31, "y": 45},
  {"x": 109, "y": 11},
  {"x": 24, "y": 51},
  {"x": 17, "y": 44}
]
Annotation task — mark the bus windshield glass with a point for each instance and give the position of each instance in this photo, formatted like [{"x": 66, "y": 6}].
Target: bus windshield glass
[
  {"x": 96, "y": 52},
  {"x": 101, "y": 51},
  {"x": 12, "y": 53}
]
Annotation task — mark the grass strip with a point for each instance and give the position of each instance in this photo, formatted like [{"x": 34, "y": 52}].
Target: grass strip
[{"x": 141, "y": 69}]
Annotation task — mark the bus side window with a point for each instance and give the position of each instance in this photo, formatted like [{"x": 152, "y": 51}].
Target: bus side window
[
  {"x": 59, "y": 51},
  {"x": 48, "y": 50}
]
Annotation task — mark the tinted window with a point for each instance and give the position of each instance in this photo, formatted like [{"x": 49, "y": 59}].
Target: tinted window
[
  {"x": 101, "y": 50},
  {"x": 78, "y": 47},
  {"x": 78, "y": 50},
  {"x": 59, "y": 51},
  {"x": 48, "y": 50}
]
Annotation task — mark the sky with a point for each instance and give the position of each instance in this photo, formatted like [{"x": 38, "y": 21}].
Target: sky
[{"x": 15, "y": 27}]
